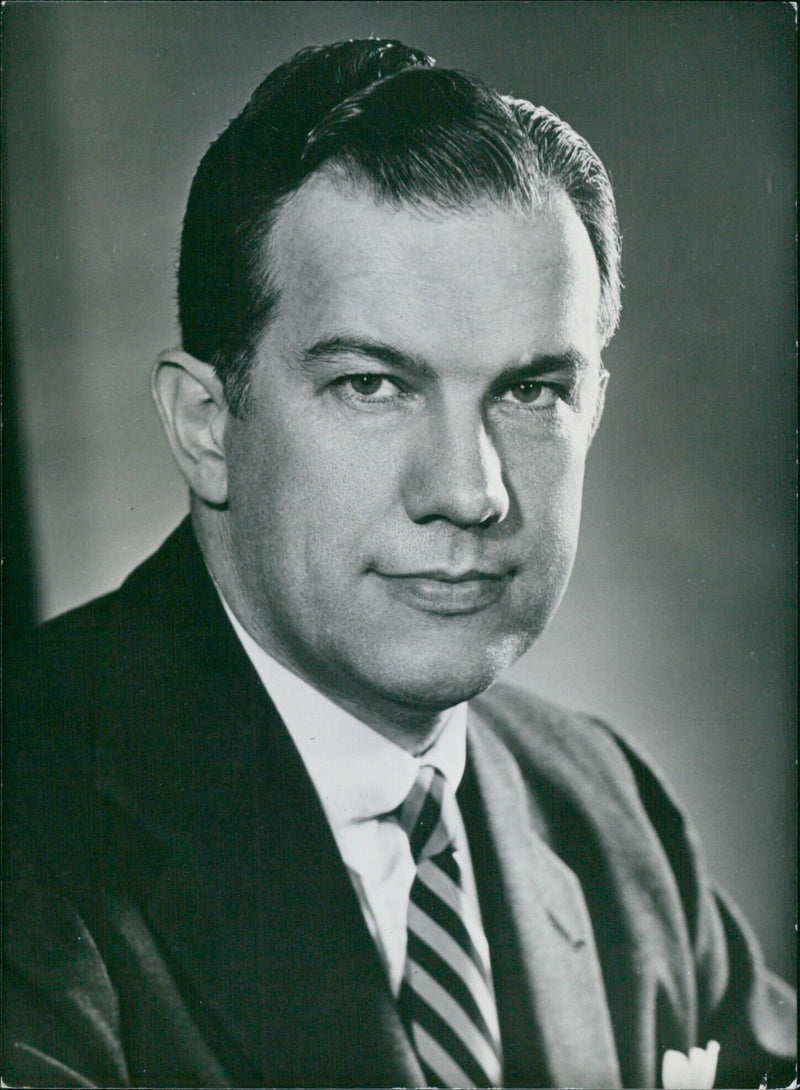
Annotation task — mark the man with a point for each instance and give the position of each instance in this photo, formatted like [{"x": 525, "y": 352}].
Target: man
[{"x": 256, "y": 834}]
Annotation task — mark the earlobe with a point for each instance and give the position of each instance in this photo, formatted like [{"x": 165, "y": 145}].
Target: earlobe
[{"x": 191, "y": 403}]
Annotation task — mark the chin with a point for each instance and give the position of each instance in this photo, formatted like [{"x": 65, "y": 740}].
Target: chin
[{"x": 442, "y": 679}]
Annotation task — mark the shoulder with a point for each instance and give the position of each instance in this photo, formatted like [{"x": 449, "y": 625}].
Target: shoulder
[
  {"x": 97, "y": 664},
  {"x": 589, "y": 782},
  {"x": 149, "y": 591},
  {"x": 71, "y": 654},
  {"x": 570, "y": 747}
]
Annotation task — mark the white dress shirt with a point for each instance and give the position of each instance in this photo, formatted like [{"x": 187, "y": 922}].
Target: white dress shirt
[{"x": 361, "y": 777}]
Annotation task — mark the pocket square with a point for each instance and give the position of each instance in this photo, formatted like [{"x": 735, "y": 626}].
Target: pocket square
[{"x": 696, "y": 1071}]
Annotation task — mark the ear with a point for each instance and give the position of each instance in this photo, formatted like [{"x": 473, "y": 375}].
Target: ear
[
  {"x": 191, "y": 403},
  {"x": 599, "y": 404}
]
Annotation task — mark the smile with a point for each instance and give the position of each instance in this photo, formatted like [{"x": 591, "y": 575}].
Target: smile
[{"x": 441, "y": 592}]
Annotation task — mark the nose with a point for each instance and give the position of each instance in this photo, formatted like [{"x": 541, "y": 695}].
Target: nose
[{"x": 456, "y": 473}]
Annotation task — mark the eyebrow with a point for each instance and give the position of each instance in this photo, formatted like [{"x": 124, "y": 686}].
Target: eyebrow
[
  {"x": 571, "y": 361},
  {"x": 331, "y": 348}
]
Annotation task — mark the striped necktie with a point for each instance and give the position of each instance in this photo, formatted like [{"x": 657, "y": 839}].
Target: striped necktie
[{"x": 446, "y": 998}]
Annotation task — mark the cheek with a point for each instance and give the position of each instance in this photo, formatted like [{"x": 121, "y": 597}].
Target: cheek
[
  {"x": 548, "y": 494},
  {"x": 307, "y": 492},
  {"x": 548, "y": 487},
  {"x": 546, "y": 478},
  {"x": 563, "y": 513}
]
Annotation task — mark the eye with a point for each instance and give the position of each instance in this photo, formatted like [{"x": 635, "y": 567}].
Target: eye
[
  {"x": 531, "y": 392},
  {"x": 366, "y": 385},
  {"x": 369, "y": 387}
]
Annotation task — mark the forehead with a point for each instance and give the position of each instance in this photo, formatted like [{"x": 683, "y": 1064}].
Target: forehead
[{"x": 485, "y": 278}]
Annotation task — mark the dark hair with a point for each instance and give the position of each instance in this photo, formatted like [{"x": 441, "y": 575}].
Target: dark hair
[{"x": 382, "y": 116}]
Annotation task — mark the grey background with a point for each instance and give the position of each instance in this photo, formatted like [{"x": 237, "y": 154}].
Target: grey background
[{"x": 679, "y": 624}]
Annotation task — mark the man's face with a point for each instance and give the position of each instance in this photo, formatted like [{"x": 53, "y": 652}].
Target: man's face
[{"x": 404, "y": 496}]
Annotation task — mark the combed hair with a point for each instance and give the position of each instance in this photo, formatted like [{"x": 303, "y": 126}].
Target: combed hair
[{"x": 385, "y": 118}]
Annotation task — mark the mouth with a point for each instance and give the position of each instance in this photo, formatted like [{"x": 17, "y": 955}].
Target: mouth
[{"x": 446, "y": 592}]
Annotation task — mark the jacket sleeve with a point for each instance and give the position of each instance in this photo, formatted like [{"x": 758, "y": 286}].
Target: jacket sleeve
[
  {"x": 741, "y": 1004},
  {"x": 60, "y": 1024}
]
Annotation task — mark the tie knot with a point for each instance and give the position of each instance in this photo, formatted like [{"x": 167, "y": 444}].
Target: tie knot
[{"x": 421, "y": 815}]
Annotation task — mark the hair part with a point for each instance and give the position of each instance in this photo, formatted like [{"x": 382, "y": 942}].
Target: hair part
[{"x": 382, "y": 117}]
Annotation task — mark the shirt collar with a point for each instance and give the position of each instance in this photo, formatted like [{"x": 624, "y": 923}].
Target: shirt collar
[{"x": 357, "y": 772}]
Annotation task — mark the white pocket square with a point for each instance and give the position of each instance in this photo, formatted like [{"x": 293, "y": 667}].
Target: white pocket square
[{"x": 696, "y": 1071}]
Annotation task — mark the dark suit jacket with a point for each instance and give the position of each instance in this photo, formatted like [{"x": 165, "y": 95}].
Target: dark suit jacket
[{"x": 177, "y": 912}]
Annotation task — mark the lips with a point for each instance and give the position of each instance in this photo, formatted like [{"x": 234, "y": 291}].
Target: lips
[{"x": 446, "y": 592}]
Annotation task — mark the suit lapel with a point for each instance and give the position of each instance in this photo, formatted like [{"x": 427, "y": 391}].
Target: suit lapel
[
  {"x": 253, "y": 907},
  {"x": 540, "y": 935},
  {"x": 262, "y": 915}
]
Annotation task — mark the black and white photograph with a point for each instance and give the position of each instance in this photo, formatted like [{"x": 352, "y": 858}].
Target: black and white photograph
[{"x": 399, "y": 544}]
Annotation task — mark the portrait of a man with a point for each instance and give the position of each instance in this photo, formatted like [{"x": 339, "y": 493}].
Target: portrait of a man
[{"x": 272, "y": 814}]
